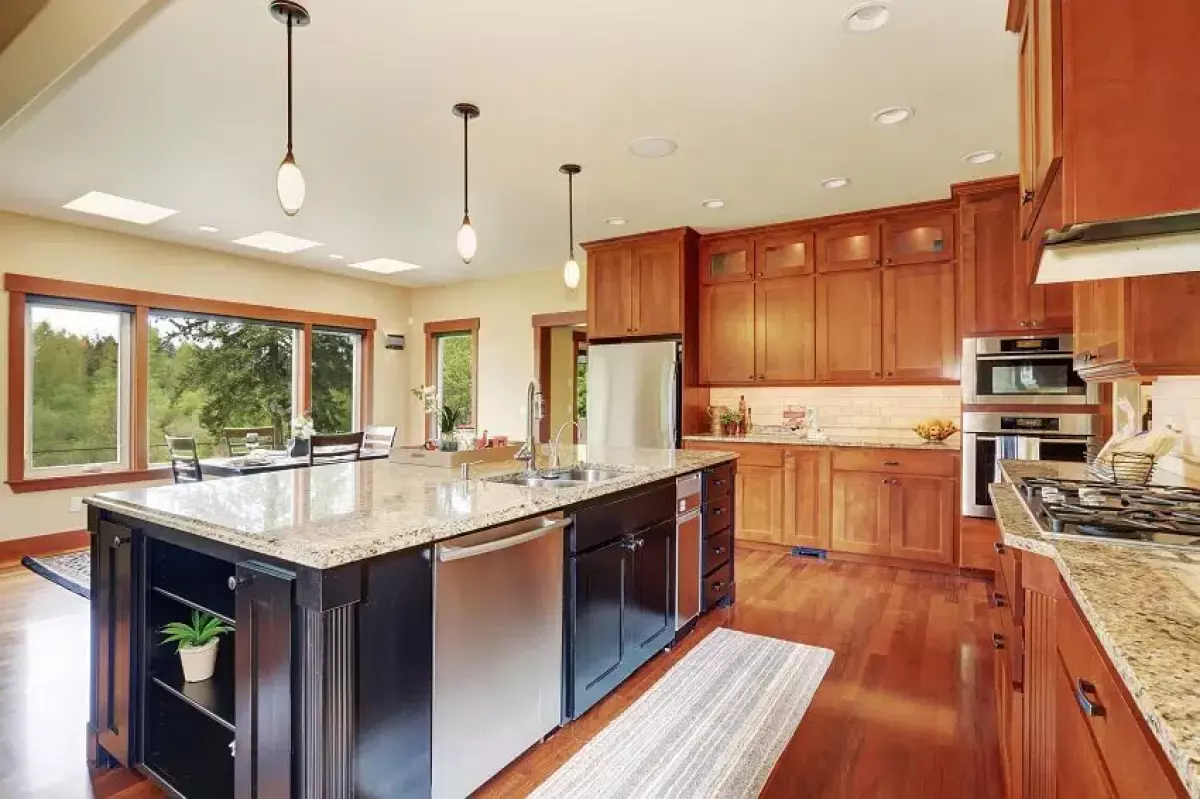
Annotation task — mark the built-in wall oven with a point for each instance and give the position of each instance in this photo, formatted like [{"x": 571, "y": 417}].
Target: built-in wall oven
[
  {"x": 1030, "y": 370},
  {"x": 1034, "y": 435}
]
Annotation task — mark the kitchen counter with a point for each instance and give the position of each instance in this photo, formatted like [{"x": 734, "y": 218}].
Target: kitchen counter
[
  {"x": 1143, "y": 602},
  {"x": 790, "y": 440},
  {"x": 341, "y": 513}
]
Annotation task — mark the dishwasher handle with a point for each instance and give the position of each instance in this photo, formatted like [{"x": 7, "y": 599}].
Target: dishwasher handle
[{"x": 447, "y": 552}]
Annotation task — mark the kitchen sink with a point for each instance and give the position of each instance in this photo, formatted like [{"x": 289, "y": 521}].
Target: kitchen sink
[{"x": 561, "y": 478}]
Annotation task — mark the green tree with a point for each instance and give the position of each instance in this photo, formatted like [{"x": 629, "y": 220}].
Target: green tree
[
  {"x": 456, "y": 374},
  {"x": 333, "y": 381},
  {"x": 74, "y": 395}
]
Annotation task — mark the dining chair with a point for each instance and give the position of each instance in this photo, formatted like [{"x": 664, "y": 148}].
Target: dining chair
[
  {"x": 379, "y": 438},
  {"x": 334, "y": 448},
  {"x": 235, "y": 439},
  {"x": 184, "y": 458}
]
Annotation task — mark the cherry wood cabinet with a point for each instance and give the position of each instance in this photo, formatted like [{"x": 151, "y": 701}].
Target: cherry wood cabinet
[
  {"x": 920, "y": 238},
  {"x": 923, "y": 515},
  {"x": 785, "y": 329},
  {"x": 1041, "y": 121},
  {"x": 727, "y": 328},
  {"x": 784, "y": 254},
  {"x": 759, "y": 503},
  {"x": 726, "y": 260},
  {"x": 860, "y": 511},
  {"x": 1137, "y": 327},
  {"x": 806, "y": 478},
  {"x": 1080, "y": 768},
  {"x": 850, "y": 326},
  {"x": 636, "y": 285},
  {"x": 855, "y": 245},
  {"x": 920, "y": 340}
]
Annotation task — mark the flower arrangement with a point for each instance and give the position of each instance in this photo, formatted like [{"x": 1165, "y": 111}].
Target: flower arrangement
[
  {"x": 935, "y": 429},
  {"x": 447, "y": 418},
  {"x": 302, "y": 427}
]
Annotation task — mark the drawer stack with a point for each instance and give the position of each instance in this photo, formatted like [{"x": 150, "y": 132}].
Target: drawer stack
[{"x": 718, "y": 535}]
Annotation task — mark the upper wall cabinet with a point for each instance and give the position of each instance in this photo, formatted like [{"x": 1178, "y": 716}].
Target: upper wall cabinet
[
  {"x": 636, "y": 285},
  {"x": 855, "y": 245},
  {"x": 920, "y": 238},
  {"x": 726, "y": 259},
  {"x": 784, "y": 254},
  {"x": 1109, "y": 107}
]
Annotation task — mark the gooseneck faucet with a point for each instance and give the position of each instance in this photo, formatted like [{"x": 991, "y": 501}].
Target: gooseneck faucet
[
  {"x": 534, "y": 410},
  {"x": 555, "y": 449}
]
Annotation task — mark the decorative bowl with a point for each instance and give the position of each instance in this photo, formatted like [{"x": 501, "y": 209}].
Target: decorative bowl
[{"x": 935, "y": 430}]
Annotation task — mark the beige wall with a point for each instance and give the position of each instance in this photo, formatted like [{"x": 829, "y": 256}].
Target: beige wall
[
  {"x": 505, "y": 307},
  {"x": 562, "y": 378},
  {"x": 56, "y": 250},
  {"x": 1177, "y": 403},
  {"x": 885, "y": 412}
]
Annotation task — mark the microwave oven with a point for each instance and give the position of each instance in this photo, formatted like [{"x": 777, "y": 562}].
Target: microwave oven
[{"x": 1023, "y": 370}]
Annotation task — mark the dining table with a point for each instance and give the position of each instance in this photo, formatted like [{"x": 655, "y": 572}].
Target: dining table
[{"x": 266, "y": 461}]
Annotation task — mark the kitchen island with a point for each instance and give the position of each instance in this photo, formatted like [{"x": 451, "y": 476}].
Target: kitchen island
[{"x": 330, "y": 578}]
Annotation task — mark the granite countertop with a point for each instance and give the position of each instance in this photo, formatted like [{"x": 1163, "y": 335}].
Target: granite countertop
[
  {"x": 793, "y": 440},
  {"x": 336, "y": 514},
  {"x": 1143, "y": 602}
]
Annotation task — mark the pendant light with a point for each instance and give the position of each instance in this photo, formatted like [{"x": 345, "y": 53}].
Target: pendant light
[
  {"x": 466, "y": 234},
  {"x": 289, "y": 180},
  {"x": 571, "y": 267}
]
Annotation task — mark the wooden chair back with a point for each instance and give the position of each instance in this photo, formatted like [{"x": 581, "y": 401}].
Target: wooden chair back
[
  {"x": 235, "y": 439},
  {"x": 334, "y": 448},
  {"x": 379, "y": 438},
  {"x": 184, "y": 458}
]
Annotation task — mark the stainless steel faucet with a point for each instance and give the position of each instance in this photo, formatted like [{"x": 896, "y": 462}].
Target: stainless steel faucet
[
  {"x": 554, "y": 446},
  {"x": 534, "y": 410}
]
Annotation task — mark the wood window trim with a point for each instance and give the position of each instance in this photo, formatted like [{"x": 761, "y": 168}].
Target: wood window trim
[
  {"x": 19, "y": 287},
  {"x": 449, "y": 327}
]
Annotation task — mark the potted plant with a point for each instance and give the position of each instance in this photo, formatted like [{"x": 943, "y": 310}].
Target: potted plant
[
  {"x": 302, "y": 431},
  {"x": 448, "y": 419},
  {"x": 196, "y": 644},
  {"x": 729, "y": 421}
]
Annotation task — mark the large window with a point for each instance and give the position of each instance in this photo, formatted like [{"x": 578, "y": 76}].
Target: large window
[
  {"x": 450, "y": 367},
  {"x": 335, "y": 378},
  {"x": 103, "y": 375},
  {"x": 207, "y": 374},
  {"x": 77, "y": 365}
]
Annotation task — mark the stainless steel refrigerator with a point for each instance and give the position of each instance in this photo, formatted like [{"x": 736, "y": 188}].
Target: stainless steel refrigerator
[{"x": 634, "y": 394}]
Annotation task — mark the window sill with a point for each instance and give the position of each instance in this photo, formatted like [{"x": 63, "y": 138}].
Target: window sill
[{"x": 86, "y": 480}]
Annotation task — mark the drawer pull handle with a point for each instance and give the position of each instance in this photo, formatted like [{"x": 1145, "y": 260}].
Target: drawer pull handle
[
  {"x": 116, "y": 542},
  {"x": 1090, "y": 707},
  {"x": 719, "y": 551},
  {"x": 891, "y": 463},
  {"x": 718, "y": 585},
  {"x": 997, "y": 641},
  {"x": 1000, "y": 548},
  {"x": 1000, "y": 599},
  {"x": 718, "y": 482},
  {"x": 718, "y": 511}
]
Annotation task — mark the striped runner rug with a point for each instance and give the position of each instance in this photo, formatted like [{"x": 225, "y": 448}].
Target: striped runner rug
[{"x": 713, "y": 726}]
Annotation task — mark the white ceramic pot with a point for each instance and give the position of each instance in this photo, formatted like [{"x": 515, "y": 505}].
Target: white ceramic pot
[{"x": 199, "y": 662}]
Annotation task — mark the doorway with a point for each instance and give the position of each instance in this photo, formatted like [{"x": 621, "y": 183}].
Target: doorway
[{"x": 560, "y": 362}]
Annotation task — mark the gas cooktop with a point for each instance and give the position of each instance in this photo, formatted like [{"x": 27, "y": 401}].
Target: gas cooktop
[{"x": 1091, "y": 510}]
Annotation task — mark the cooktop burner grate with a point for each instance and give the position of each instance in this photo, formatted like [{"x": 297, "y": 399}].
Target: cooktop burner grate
[{"x": 1152, "y": 514}]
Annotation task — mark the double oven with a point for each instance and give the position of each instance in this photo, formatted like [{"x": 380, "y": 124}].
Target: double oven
[{"x": 1022, "y": 400}]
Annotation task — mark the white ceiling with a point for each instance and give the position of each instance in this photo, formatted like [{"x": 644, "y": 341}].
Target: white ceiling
[{"x": 765, "y": 97}]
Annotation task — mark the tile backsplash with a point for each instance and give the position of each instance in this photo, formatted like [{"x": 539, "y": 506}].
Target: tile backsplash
[
  {"x": 884, "y": 412},
  {"x": 1177, "y": 403}
]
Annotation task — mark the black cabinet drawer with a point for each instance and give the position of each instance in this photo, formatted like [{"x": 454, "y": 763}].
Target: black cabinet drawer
[
  {"x": 599, "y": 524},
  {"x": 717, "y": 586},
  {"x": 717, "y": 481},
  {"x": 718, "y": 549},
  {"x": 718, "y": 515}
]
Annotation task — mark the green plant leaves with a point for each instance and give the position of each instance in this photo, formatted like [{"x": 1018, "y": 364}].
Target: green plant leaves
[{"x": 203, "y": 628}]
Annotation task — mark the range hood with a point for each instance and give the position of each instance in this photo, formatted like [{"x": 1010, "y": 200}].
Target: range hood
[{"x": 1159, "y": 245}]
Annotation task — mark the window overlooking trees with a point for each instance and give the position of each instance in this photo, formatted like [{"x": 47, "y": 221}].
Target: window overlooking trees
[
  {"x": 209, "y": 373},
  {"x": 454, "y": 374},
  {"x": 335, "y": 371},
  {"x": 78, "y": 359}
]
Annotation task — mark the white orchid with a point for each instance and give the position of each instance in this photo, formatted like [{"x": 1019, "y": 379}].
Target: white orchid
[{"x": 302, "y": 427}]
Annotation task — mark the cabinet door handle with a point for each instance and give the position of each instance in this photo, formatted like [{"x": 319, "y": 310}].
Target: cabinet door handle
[
  {"x": 718, "y": 482},
  {"x": 235, "y": 582},
  {"x": 1090, "y": 707},
  {"x": 885, "y": 481},
  {"x": 1000, "y": 548},
  {"x": 718, "y": 511},
  {"x": 1027, "y": 197},
  {"x": 887, "y": 260},
  {"x": 762, "y": 377},
  {"x": 875, "y": 262},
  {"x": 891, "y": 463},
  {"x": 997, "y": 641},
  {"x": 1000, "y": 599},
  {"x": 116, "y": 542}
]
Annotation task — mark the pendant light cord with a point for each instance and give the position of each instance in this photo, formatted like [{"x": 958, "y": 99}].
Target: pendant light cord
[
  {"x": 466, "y": 167},
  {"x": 289, "y": 81},
  {"x": 571, "y": 212}
]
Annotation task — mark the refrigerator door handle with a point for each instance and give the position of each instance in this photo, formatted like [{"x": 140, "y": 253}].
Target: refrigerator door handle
[{"x": 672, "y": 395}]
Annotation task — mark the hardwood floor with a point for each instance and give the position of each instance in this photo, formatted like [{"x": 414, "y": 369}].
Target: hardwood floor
[{"x": 906, "y": 708}]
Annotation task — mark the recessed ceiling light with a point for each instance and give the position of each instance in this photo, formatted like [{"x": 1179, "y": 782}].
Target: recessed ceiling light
[
  {"x": 209, "y": 229},
  {"x": 337, "y": 256},
  {"x": 835, "y": 183},
  {"x": 867, "y": 17},
  {"x": 276, "y": 242},
  {"x": 616, "y": 220},
  {"x": 981, "y": 156},
  {"x": 713, "y": 204},
  {"x": 652, "y": 147},
  {"x": 892, "y": 115},
  {"x": 114, "y": 207},
  {"x": 385, "y": 266}
]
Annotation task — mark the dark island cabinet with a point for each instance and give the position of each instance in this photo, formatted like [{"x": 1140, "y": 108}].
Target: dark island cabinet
[
  {"x": 651, "y": 607},
  {"x": 112, "y": 562},
  {"x": 599, "y": 652}
]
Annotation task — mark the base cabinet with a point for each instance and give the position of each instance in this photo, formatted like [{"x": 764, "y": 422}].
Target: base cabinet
[
  {"x": 861, "y": 513},
  {"x": 760, "y": 503}
]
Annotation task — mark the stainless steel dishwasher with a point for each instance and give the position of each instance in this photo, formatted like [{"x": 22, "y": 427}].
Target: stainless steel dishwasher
[
  {"x": 497, "y": 649},
  {"x": 689, "y": 539}
]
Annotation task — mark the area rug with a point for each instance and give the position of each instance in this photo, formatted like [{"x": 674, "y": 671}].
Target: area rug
[
  {"x": 71, "y": 570},
  {"x": 713, "y": 726}
]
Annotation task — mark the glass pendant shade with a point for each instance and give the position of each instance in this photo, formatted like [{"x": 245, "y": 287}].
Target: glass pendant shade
[
  {"x": 466, "y": 240},
  {"x": 289, "y": 185},
  {"x": 571, "y": 273}
]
